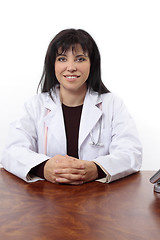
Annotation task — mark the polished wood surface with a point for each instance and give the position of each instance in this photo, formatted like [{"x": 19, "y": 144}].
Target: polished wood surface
[{"x": 126, "y": 209}]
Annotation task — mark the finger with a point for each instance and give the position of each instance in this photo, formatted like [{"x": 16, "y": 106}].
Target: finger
[
  {"x": 70, "y": 177},
  {"x": 70, "y": 161},
  {"x": 70, "y": 171},
  {"x": 70, "y": 174},
  {"x": 69, "y": 165},
  {"x": 72, "y": 158}
]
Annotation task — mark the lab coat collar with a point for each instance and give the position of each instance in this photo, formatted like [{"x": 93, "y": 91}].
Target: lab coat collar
[
  {"x": 54, "y": 120},
  {"x": 50, "y": 103},
  {"x": 91, "y": 113},
  {"x": 91, "y": 98}
]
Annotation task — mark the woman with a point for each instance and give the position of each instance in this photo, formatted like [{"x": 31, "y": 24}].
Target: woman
[{"x": 75, "y": 130}]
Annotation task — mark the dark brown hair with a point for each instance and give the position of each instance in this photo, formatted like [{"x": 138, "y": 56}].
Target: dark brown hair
[{"x": 64, "y": 40}]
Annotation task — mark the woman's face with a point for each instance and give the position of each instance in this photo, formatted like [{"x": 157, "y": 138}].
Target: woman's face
[{"x": 72, "y": 68}]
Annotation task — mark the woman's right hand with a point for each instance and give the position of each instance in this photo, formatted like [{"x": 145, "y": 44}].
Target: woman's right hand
[{"x": 73, "y": 170}]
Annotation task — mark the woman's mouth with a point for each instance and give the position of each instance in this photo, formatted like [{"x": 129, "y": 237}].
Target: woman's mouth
[{"x": 71, "y": 77}]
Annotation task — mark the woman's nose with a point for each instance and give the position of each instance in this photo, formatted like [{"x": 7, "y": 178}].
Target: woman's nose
[{"x": 71, "y": 67}]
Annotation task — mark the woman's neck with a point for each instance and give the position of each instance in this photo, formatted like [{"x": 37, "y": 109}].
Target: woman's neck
[{"x": 72, "y": 98}]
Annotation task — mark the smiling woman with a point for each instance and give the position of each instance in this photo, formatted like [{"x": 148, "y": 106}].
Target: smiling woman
[
  {"x": 60, "y": 44},
  {"x": 72, "y": 69},
  {"x": 75, "y": 131}
]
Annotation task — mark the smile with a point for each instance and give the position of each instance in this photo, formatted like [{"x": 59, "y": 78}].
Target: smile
[{"x": 71, "y": 76}]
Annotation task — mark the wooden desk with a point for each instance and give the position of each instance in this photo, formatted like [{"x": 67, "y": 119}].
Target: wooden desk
[{"x": 127, "y": 209}]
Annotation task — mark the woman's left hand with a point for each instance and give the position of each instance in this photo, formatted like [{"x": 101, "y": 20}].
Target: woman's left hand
[{"x": 66, "y": 175}]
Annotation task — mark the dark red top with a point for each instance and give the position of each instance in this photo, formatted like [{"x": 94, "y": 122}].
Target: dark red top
[{"x": 72, "y": 116}]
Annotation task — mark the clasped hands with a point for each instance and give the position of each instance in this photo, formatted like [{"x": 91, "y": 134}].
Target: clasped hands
[{"x": 69, "y": 170}]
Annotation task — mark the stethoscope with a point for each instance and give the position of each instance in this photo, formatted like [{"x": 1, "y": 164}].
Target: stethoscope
[{"x": 95, "y": 143}]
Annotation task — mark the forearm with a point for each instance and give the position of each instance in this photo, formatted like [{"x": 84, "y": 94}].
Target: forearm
[
  {"x": 38, "y": 170},
  {"x": 118, "y": 165}
]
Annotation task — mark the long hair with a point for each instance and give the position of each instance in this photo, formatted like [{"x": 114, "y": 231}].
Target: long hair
[{"x": 64, "y": 40}]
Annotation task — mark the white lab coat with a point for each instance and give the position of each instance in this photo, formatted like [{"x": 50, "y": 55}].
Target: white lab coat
[{"x": 118, "y": 151}]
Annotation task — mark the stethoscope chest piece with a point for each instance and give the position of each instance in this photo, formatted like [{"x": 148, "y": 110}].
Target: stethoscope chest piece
[{"x": 157, "y": 187}]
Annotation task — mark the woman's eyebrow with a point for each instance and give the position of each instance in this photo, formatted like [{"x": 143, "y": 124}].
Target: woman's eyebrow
[
  {"x": 65, "y": 55},
  {"x": 81, "y": 55},
  {"x": 61, "y": 54}
]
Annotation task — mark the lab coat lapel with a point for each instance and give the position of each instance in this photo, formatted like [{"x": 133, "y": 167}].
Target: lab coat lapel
[
  {"x": 91, "y": 113},
  {"x": 55, "y": 122}
]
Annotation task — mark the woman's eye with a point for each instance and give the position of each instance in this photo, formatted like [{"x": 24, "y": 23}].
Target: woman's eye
[
  {"x": 61, "y": 59},
  {"x": 81, "y": 59}
]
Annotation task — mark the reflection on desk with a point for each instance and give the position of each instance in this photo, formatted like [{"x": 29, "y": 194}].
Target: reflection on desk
[{"x": 126, "y": 209}]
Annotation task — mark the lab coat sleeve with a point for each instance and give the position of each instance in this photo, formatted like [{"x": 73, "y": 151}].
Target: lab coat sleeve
[
  {"x": 125, "y": 150},
  {"x": 21, "y": 153}
]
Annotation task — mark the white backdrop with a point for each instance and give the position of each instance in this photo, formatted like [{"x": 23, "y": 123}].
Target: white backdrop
[{"x": 128, "y": 35}]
